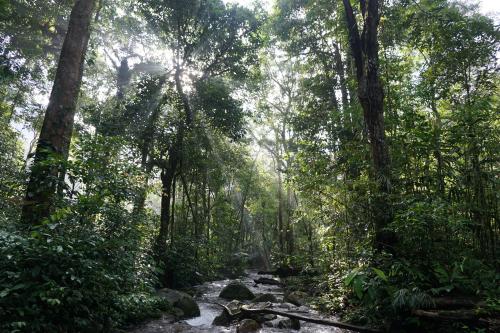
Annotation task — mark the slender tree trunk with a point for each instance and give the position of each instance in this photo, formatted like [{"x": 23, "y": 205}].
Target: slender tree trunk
[
  {"x": 55, "y": 136},
  {"x": 172, "y": 210},
  {"x": 281, "y": 239},
  {"x": 339, "y": 67},
  {"x": 209, "y": 209},
  {"x": 167, "y": 179},
  {"x": 196, "y": 226},
  {"x": 289, "y": 227},
  {"x": 437, "y": 148},
  {"x": 123, "y": 77},
  {"x": 242, "y": 219},
  {"x": 364, "y": 49}
]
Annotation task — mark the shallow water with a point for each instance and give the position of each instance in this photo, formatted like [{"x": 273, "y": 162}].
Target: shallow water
[{"x": 207, "y": 299}]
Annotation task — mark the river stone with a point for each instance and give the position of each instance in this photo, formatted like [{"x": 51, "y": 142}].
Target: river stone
[
  {"x": 268, "y": 317},
  {"x": 222, "y": 320},
  {"x": 287, "y": 306},
  {"x": 247, "y": 326},
  {"x": 180, "y": 300},
  {"x": 236, "y": 290},
  {"x": 296, "y": 297},
  {"x": 289, "y": 323},
  {"x": 265, "y": 298}
]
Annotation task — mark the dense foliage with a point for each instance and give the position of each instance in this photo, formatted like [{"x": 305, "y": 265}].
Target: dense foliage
[{"x": 210, "y": 137}]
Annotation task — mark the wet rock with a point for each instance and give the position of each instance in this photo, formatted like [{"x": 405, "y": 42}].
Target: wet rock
[
  {"x": 178, "y": 313},
  {"x": 288, "y": 323},
  {"x": 222, "y": 320},
  {"x": 268, "y": 317},
  {"x": 180, "y": 300},
  {"x": 236, "y": 290},
  {"x": 247, "y": 326},
  {"x": 296, "y": 297},
  {"x": 287, "y": 305},
  {"x": 269, "y": 323},
  {"x": 265, "y": 298},
  {"x": 264, "y": 280}
]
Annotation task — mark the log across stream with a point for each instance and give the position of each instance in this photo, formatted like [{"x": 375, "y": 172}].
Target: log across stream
[{"x": 208, "y": 300}]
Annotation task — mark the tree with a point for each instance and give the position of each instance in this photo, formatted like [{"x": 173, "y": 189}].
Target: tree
[
  {"x": 208, "y": 40},
  {"x": 47, "y": 171},
  {"x": 364, "y": 50}
]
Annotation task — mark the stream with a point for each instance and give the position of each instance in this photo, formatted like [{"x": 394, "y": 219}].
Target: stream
[{"x": 207, "y": 297}]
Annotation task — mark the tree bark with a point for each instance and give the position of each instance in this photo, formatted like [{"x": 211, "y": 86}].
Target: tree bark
[
  {"x": 55, "y": 137},
  {"x": 364, "y": 49}
]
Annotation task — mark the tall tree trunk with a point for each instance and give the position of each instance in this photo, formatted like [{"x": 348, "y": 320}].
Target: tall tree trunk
[
  {"x": 55, "y": 137},
  {"x": 364, "y": 49},
  {"x": 174, "y": 159}
]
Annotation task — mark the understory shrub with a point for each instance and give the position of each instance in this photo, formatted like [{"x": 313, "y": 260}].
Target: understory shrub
[{"x": 53, "y": 281}]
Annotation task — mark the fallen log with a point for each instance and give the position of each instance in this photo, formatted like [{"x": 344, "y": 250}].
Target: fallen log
[{"x": 247, "y": 312}]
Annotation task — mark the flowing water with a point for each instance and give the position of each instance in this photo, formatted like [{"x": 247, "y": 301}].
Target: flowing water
[{"x": 207, "y": 299}]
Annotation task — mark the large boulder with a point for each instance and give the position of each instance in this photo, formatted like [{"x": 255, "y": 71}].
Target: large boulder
[
  {"x": 248, "y": 326},
  {"x": 296, "y": 297},
  {"x": 181, "y": 301},
  {"x": 236, "y": 290},
  {"x": 265, "y": 298}
]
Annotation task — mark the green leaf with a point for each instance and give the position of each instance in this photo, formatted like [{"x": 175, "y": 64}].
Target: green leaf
[
  {"x": 358, "y": 287},
  {"x": 380, "y": 274},
  {"x": 349, "y": 278}
]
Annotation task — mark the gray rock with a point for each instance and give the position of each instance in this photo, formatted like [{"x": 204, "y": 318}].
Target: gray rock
[
  {"x": 268, "y": 317},
  {"x": 181, "y": 300},
  {"x": 290, "y": 324},
  {"x": 287, "y": 306},
  {"x": 296, "y": 297},
  {"x": 247, "y": 326},
  {"x": 236, "y": 290},
  {"x": 265, "y": 298}
]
